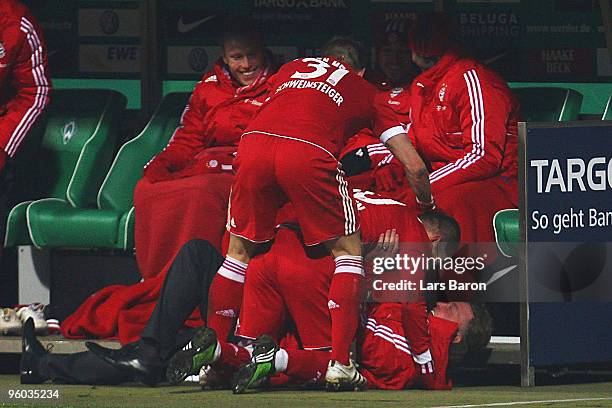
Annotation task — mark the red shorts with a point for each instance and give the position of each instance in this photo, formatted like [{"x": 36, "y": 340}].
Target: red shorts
[
  {"x": 384, "y": 354},
  {"x": 273, "y": 170},
  {"x": 288, "y": 286}
]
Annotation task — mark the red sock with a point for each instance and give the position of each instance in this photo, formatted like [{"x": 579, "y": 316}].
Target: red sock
[
  {"x": 344, "y": 302},
  {"x": 224, "y": 300},
  {"x": 232, "y": 356},
  {"x": 307, "y": 365}
]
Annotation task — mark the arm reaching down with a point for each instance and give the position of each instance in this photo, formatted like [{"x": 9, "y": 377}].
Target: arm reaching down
[
  {"x": 484, "y": 108},
  {"x": 416, "y": 172}
]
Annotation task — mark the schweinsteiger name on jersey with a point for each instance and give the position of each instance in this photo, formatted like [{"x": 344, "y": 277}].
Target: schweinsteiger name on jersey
[{"x": 319, "y": 86}]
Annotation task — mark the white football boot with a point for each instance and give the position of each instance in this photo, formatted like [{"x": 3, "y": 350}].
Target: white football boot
[
  {"x": 35, "y": 311},
  {"x": 340, "y": 377}
]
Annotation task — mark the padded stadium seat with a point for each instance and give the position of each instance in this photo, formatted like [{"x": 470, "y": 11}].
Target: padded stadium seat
[
  {"x": 607, "y": 114},
  {"x": 67, "y": 155},
  {"x": 55, "y": 223},
  {"x": 538, "y": 104},
  {"x": 507, "y": 232},
  {"x": 548, "y": 104}
]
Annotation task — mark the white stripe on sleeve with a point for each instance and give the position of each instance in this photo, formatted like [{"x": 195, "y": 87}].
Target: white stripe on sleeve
[
  {"x": 42, "y": 88},
  {"x": 477, "y": 130},
  {"x": 391, "y": 132}
]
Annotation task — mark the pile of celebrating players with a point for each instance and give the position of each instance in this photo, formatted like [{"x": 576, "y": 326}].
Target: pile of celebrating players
[{"x": 273, "y": 199}]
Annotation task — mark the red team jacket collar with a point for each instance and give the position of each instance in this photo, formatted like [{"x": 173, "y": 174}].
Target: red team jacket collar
[
  {"x": 442, "y": 329},
  {"x": 224, "y": 78},
  {"x": 431, "y": 76},
  {"x": 261, "y": 78}
]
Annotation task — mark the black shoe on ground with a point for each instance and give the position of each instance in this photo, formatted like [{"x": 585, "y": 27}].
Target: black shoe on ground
[
  {"x": 31, "y": 352},
  {"x": 129, "y": 359}
]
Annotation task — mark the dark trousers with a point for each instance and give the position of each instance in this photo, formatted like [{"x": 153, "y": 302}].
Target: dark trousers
[{"x": 186, "y": 286}]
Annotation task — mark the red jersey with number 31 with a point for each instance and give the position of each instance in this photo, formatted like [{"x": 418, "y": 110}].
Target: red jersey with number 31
[{"x": 324, "y": 102}]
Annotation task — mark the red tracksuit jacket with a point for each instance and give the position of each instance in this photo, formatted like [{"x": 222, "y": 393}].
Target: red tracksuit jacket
[
  {"x": 464, "y": 121},
  {"x": 385, "y": 350},
  {"x": 217, "y": 114},
  {"x": 24, "y": 81}
]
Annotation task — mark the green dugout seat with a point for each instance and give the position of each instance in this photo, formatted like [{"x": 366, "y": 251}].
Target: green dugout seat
[
  {"x": 541, "y": 104},
  {"x": 538, "y": 104},
  {"x": 67, "y": 155},
  {"x": 507, "y": 233},
  {"x": 607, "y": 114},
  {"x": 110, "y": 225}
]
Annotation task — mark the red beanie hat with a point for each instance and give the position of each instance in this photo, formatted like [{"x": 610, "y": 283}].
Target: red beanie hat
[{"x": 431, "y": 34}]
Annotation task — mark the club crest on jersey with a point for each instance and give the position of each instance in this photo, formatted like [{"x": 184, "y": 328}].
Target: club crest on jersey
[
  {"x": 332, "y": 305},
  {"x": 442, "y": 92},
  {"x": 2, "y": 50}
]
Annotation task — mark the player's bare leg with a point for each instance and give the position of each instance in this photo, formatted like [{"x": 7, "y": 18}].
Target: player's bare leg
[
  {"x": 347, "y": 245},
  {"x": 241, "y": 249},
  {"x": 225, "y": 294},
  {"x": 344, "y": 301}
]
